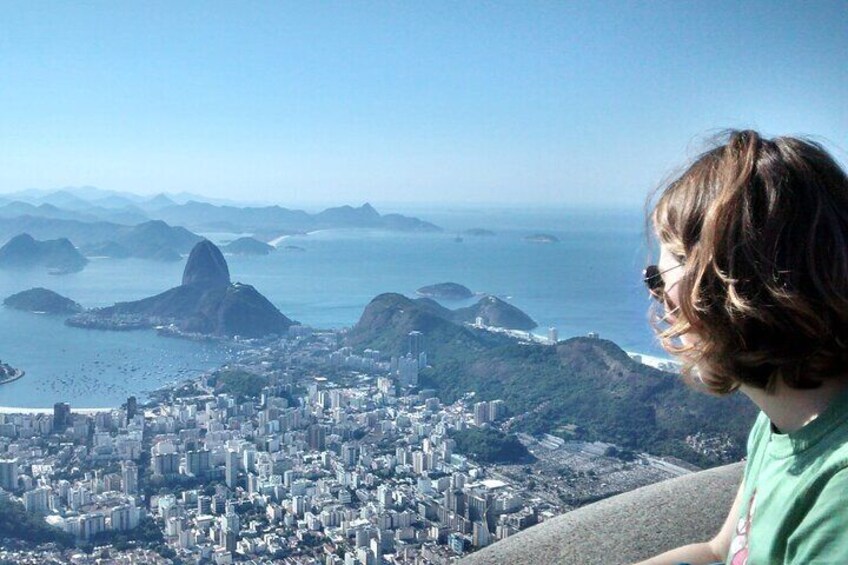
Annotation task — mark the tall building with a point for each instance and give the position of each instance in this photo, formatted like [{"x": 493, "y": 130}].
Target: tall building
[
  {"x": 337, "y": 399},
  {"x": 455, "y": 501},
  {"x": 419, "y": 462},
  {"x": 408, "y": 371},
  {"x": 165, "y": 463},
  {"x": 248, "y": 457},
  {"x": 36, "y": 500},
  {"x": 298, "y": 506},
  {"x": 497, "y": 410},
  {"x": 384, "y": 496},
  {"x": 204, "y": 505},
  {"x": 232, "y": 468},
  {"x": 219, "y": 504},
  {"x": 376, "y": 550},
  {"x": 9, "y": 474},
  {"x": 129, "y": 477},
  {"x": 132, "y": 408},
  {"x": 349, "y": 455},
  {"x": 481, "y": 413},
  {"x": 317, "y": 437},
  {"x": 416, "y": 343},
  {"x": 230, "y": 540},
  {"x": 230, "y": 521},
  {"x": 481, "y": 536},
  {"x": 197, "y": 462},
  {"x": 61, "y": 416},
  {"x": 123, "y": 517},
  {"x": 91, "y": 524}
]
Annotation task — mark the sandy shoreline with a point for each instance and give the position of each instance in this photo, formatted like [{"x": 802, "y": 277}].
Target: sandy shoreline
[
  {"x": 24, "y": 410},
  {"x": 279, "y": 240}
]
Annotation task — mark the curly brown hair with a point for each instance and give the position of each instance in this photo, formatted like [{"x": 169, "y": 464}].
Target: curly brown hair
[{"x": 761, "y": 226}]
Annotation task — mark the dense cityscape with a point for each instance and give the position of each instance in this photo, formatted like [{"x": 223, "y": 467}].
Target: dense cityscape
[{"x": 298, "y": 451}]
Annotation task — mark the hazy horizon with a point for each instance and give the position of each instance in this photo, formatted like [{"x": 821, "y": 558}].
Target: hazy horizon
[
  {"x": 317, "y": 206},
  {"x": 403, "y": 105}
]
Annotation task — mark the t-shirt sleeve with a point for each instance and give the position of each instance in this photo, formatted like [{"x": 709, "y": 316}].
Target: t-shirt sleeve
[{"x": 820, "y": 537}]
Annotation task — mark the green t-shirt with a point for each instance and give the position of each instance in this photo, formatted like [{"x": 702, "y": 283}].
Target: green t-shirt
[{"x": 795, "y": 504}]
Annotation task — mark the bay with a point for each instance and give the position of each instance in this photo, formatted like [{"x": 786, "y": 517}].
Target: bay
[{"x": 590, "y": 281}]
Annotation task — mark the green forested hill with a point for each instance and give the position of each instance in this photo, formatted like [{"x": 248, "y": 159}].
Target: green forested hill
[{"x": 589, "y": 385}]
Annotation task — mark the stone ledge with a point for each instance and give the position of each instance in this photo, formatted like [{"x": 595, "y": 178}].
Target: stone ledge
[{"x": 625, "y": 528}]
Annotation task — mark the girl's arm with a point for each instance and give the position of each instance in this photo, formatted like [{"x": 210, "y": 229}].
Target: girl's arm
[{"x": 709, "y": 551}]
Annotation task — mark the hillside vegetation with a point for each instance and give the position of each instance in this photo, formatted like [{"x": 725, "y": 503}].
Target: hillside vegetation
[
  {"x": 488, "y": 445},
  {"x": 581, "y": 388},
  {"x": 18, "y": 524}
]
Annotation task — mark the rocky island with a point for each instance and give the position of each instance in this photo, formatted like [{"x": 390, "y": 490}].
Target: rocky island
[
  {"x": 59, "y": 256},
  {"x": 206, "y": 303},
  {"x": 42, "y": 301},
  {"x": 247, "y": 246},
  {"x": 446, "y": 291},
  {"x": 542, "y": 238},
  {"x": 9, "y": 373}
]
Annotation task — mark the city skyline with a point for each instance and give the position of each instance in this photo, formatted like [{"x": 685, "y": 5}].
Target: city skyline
[{"x": 445, "y": 103}]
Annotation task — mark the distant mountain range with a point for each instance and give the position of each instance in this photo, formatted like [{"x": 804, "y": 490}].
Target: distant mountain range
[
  {"x": 107, "y": 198},
  {"x": 582, "y": 388},
  {"x": 153, "y": 239},
  {"x": 91, "y": 205},
  {"x": 120, "y": 225}
]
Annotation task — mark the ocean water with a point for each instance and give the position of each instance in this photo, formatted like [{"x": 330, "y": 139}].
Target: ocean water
[{"x": 588, "y": 282}]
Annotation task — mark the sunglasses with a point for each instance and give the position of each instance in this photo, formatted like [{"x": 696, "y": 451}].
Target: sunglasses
[{"x": 652, "y": 277}]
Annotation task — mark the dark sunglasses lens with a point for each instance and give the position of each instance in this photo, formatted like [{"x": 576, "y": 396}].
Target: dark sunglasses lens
[{"x": 653, "y": 278}]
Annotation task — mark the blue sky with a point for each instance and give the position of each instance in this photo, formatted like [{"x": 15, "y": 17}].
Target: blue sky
[{"x": 543, "y": 103}]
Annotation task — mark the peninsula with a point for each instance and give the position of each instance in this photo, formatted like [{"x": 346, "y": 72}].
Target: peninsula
[{"x": 206, "y": 303}]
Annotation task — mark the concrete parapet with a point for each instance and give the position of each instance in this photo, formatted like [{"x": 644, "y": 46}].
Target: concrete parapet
[{"x": 625, "y": 528}]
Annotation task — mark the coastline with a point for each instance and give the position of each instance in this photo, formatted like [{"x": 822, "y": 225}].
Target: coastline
[
  {"x": 277, "y": 241},
  {"x": 24, "y": 410}
]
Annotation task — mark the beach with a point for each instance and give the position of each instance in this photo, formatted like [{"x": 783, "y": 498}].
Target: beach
[{"x": 21, "y": 410}]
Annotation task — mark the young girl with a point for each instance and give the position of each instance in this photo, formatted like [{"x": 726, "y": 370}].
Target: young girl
[{"x": 753, "y": 279}]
